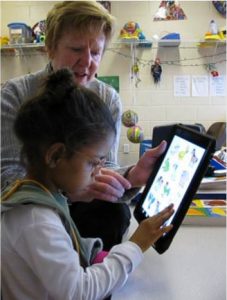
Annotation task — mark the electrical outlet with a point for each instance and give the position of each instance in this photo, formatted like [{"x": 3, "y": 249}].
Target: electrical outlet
[{"x": 126, "y": 148}]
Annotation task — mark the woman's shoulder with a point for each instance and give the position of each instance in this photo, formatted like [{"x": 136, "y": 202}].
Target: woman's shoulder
[
  {"x": 27, "y": 77},
  {"x": 25, "y": 85},
  {"x": 96, "y": 85},
  {"x": 104, "y": 90}
]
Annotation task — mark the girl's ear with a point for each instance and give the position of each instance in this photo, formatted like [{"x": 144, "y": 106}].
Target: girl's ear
[{"x": 54, "y": 154}]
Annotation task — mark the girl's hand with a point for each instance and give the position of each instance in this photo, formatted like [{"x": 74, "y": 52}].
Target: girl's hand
[
  {"x": 108, "y": 186},
  {"x": 151, "y": 229}
]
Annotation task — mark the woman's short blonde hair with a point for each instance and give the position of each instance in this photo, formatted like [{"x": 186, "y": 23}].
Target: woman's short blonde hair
[{"x": 86, "y": 17}]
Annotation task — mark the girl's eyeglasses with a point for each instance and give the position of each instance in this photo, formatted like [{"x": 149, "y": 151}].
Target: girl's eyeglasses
[{"x": 94, "y": 162}]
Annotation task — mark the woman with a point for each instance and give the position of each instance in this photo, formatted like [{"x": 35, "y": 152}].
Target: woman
[{"x": 77, "y": 33}]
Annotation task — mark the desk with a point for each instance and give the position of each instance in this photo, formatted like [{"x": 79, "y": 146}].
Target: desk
[{"x": 193, "y": 268}]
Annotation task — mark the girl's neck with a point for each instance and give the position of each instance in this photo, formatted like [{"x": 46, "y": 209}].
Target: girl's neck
[{"x": 42, "y": 180}]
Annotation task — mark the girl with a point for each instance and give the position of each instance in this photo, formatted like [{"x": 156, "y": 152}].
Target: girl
[{"x": 66, "y": 132}]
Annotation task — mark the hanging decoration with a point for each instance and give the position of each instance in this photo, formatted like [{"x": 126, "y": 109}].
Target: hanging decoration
[
  {"x": 169, "y": 10},
  {"x": 132, "y": 35},
  {"x": 135, "y": 134},
  {"x": 212, "y": 70},
  {"x": 129, "y": 118},
  {"x": 135, "y": 73},
  {"x": 220, "y": 7},
  {"x": 156, "y": 70},
  {"x": 217, "y": 58}
]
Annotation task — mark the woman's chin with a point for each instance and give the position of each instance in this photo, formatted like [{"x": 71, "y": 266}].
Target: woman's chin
[{"x": 81, "y": 80}]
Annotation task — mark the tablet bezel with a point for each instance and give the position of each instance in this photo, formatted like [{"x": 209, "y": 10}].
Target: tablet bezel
[{"x": 202, "y": 140}]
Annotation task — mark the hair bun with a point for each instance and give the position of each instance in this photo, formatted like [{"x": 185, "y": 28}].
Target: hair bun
[{"x": 60, "y": 79}]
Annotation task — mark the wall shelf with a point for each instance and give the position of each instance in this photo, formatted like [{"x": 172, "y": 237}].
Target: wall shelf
[
  {"x": 23, "y": 49},
  {"x": 134, "y": 43},
  {"x": 211, "y": 43},
  {"x": 36, "y": 49},
  {"x": 23, "y": 46},
  {"x": 183, "y": 44}
]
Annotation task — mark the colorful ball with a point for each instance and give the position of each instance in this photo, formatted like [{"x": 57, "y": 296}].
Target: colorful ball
[
  {"x": 135, "y": 134},
  {"x": 129, "y": 118}
]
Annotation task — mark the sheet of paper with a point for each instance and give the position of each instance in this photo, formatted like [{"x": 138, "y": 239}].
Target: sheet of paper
[
  {"x": 182, "y": 86},
  {"x": 200, "y": 86},
  {"x": 218, "y": 86}
]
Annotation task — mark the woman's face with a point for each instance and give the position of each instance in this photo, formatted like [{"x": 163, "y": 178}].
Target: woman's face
[
  {"x": 81, "y": 53},
  {"x": 73, "y": 175}
]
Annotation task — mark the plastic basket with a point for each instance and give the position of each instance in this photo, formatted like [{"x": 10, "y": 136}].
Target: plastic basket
[{"x": 19, "y": 33}]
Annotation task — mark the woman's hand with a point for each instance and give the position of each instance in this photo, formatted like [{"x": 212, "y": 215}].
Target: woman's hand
[
  {"x": 140, "y": 173},
  {"x": 151, "y": 229},
  {"x": 108, "y": 186}
]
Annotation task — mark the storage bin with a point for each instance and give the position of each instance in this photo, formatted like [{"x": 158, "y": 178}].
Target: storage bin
[
  {"x": 19, "y": 33},
  {"x": 144, "y": 146}
]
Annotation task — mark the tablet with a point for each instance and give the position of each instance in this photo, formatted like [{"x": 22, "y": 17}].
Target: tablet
[
  {"x": 163, "y": 132},
  {"x": 175, "y": 179}
]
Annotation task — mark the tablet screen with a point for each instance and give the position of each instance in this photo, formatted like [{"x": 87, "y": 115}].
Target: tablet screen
[{"x": 174, "y": 176}]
